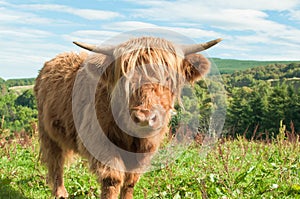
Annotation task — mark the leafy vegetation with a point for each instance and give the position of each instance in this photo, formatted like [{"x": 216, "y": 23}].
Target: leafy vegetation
[
  {"x": 19, "y": 82},
  {"x": 272, "y": 73},
  {"x": 261, "y": 107},
  {"x": 18, "y": 112},
  {"x": 11, "y": 83},
  {"x": 259, "y": 98}
]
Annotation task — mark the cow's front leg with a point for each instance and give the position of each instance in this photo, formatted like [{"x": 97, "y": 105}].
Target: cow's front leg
[
  {"x": 128, "y": 186},
  {"x": 110, "y": 188},
  {"x": 111, "y": 178}
]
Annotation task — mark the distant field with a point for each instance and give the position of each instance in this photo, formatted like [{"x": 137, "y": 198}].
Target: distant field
[
  {"x": 231, "y": 65},
  {"x": 20, "y": 89}
]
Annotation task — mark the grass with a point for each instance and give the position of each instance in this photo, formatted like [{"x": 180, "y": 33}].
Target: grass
[
  {"x": 232, "y": 169},
  {"x": 229, "y": 66}
]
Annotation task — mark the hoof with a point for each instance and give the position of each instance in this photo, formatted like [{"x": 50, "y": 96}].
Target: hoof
[{"x": 61, "y": 192}]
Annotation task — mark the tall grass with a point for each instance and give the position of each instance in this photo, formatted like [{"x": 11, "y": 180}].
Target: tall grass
[{"x": 232, "y": 169}]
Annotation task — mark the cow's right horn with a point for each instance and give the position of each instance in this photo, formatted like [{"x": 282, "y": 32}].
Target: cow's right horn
[{"x": 108, "y": 50}]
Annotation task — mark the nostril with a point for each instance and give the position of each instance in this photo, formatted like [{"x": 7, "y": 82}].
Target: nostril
[
  {"x": 136, "y": 119},
  {"x": 152, "y": 120}
]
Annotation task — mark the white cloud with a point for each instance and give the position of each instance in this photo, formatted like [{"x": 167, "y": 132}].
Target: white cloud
[
  {"x": 8, "y": 16},
  {"x": 25, "y": 59},
  {"x": 128, "y": 25},
  {"x": 89, "y": 14},
  {"x": 3, "y": 3},
  {"x": 90, "y": 36},
  {"x": 5, "y": 17},
  {"x": 244, "y": 24},
  {"x": 237, "y": 19},
  {"x": 295, "y": 15},
  {"x": 278, "y": 5},
  {"x": 258, "y": 47},
  {"x": 195, "y": 32},
  {"x": 23, "y": 34},
  {"x": 139, "y": 27},
  {"x": 227, "y": 15},
  {"x": 94, "y": 14}
]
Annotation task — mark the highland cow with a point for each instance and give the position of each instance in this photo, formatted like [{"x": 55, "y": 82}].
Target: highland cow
[{"x": 138, "y": 83}]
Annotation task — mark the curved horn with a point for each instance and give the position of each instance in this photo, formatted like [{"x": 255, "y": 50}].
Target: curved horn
[
  {"x": 108, "y": 50},
  {"x": 194, "y": 48}
]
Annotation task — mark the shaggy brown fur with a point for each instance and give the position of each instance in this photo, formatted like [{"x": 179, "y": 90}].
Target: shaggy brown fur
[{"x": 148, "y": 73}]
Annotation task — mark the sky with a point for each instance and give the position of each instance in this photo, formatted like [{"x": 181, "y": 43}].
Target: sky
[{"x": 35, "y": 31}]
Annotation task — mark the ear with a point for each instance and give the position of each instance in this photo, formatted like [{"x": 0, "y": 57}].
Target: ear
[{"x": 195, "y": 67}]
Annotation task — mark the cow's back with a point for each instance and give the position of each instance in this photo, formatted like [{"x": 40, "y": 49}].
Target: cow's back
[{"x": 53, "y": 90}]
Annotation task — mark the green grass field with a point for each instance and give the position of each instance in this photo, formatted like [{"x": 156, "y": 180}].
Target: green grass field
[
  {"x": 231, "y": 65},
  {"x": 232, "y": 169}
]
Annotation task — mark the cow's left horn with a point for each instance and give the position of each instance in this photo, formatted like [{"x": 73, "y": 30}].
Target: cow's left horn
[
  {"x": 194, "y": 48},
  {"x": 109, "y": 50}
]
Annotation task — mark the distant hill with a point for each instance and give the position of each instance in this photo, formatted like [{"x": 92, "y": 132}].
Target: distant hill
[
  {"x": 274, "y": 73},
  {"x": 271, "y": 71},
  {"x": 18, "y": 85},
  {"x": 19, "y": 82},
  {"x": 229, "y": 66},
  {"x": 225, "y": 66}
]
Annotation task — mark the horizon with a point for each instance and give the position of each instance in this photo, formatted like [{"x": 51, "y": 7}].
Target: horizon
[
  {"x": 238, "y": 60},
  {"x": 34, "y": 32}
]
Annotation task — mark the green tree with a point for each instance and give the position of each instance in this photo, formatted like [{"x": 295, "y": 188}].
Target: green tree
[
  {"x": 7, "y": 109},
  {"x": 20, "y": 82},
  {"x": 3, "y": 89},
  {"x": 25, "y": 117},
  {"x": 27, "y": 99},
  {"x": 248, "y": 107},
  {"x": 19, "y": 112},
  {"x": 277, "y": 103},
  {"x": 239, "y": 114},
  {"x": 258, "y": 102},
  {"x": 292, "y": 108}
]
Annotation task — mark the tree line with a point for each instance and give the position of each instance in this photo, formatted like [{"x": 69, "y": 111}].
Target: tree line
[
  {"x": 6, "y": 84},
  {"x": 260, "y": 98},
  {"x": 257, "y": 101}
]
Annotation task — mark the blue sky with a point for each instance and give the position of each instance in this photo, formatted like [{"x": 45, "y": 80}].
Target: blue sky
[{"x": 34, "y": 31}]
